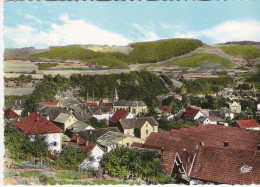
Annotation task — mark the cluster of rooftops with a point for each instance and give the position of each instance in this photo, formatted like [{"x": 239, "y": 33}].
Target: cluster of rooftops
[{"x": 207, "y": 152}]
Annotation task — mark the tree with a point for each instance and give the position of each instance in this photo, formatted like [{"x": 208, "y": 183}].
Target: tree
[{"x": 71, "y": 157}]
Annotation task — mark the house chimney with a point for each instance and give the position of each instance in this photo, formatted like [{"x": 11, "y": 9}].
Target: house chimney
[
  {"x": 77, "y": 139},
  {"x": 47, "y": 117},
  {"x": 87, "y": 142},
  {"x": 202, "y": 143},
  {"x": 197, "y": 146},
  {"x": 226, "y": 144},
  {"x": 37, "y": 118}
]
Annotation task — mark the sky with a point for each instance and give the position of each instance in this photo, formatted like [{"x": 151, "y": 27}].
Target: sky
[{"x": 43, "y": 24}]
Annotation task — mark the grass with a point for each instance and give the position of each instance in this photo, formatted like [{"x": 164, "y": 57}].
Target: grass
[
  {"x": 30, "y": 174},
  {"x": 107, "y": 182},
  {"x": 198, "y": 59},
  {"x": 257, "y": 66},
  {"x": 48, "y": 180},
  {"x": 242, "y": 50},
  {"x": 62, "y": 182},
  {"x": 108, "y": 61},
  {"x": 71, "y": 175}
]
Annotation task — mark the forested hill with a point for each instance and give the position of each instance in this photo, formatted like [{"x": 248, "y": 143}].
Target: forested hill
[{"x": 149, "y": 52}]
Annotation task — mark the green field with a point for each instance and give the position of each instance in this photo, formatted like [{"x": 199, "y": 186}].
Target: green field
[
  {"x": 108, "y": 61},
  {"x": 198, "y": 59},
  {"x": 242, "y": 50}
]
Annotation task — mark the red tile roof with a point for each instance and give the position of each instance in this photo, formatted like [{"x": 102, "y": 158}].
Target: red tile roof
[
  {"x": 51, "y": 156},
  {"x": 185, "y": 141},
  {"x": 120, "y": 114},
  {"x": 177, "y": 95},
  {"x": 98, "y": 111},
  {"x": 247, "y": 123},
  {"x": 51, "y": 102},
  {"x": 82, "y": 143},
  {"x": 90, "y": 105},
  {"x": 227, "y": 166},
  {"x": 212, "y": 118},
  {"x": 165, "y": 108},
  {"x": 36, "y": 124},
  {"x": 191, "y": 112},
  {"x": 10, "y": 114}
]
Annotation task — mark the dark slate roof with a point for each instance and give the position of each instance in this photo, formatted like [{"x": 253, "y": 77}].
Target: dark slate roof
[
  {"x": 82, "y": 114},
  {"x": 218, "y": 113},
  {"x": 226, "y": 110},
  {"x": 53, "y": 111},
  {"x": 78, "y": 126},
  {"x": 17, "y": 104},
  {"x": 68, "y": 102},
  {"x": 137, "y": 122},
  {"x": 93, "y": 135},
  {"x": 129, "y": 103}
]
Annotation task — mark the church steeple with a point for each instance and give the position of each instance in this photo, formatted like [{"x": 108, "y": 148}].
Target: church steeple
[{"x": 115, "y": 97}]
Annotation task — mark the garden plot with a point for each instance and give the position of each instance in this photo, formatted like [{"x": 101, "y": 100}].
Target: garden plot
[{"x": 18, "y": 66}]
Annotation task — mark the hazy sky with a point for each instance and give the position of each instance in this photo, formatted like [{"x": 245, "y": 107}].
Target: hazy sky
[{"x": 42, "y": 24}]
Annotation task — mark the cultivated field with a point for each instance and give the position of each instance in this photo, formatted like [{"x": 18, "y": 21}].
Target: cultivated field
[
  {"x": 17, "y": 66},
  {"x": 19, "y": 91}
]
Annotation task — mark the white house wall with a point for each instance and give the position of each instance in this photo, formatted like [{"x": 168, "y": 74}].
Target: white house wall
[
  {"x": 103, "y": 117},
  {"x": 199, "y": 114},
  {"x": 97, "y": 154},
  {"x": 50, "y": 140}
]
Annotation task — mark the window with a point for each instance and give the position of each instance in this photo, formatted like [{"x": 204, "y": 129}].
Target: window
[
  {"x": 146, "y": 131},
  {"x": 225, "y": 144},
  {"x": 54, "y": 143},
  {"x": 127, "y": 144},
  {"x": 54, "y": 151}
]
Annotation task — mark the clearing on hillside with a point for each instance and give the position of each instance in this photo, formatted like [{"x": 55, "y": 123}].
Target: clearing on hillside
[
  {"x": 242, "y": 50},
  {"x": 198, "y": 59}
]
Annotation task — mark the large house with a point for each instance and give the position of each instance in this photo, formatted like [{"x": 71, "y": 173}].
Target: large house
[
  {"x": 64, "y": 120},
  {"x": 208, "y": 154},
  {"x": 135, "y": 107},
  {"x": 248, "y": 124},
  {"x": 193, "y": 114},
  {"x": 36, "y": 126},
  {"x": 112, "y": 139},
  {"x": 120, "y": 114},
  {"x": 235, "y": 107},
  {"x": 140, "y": 127}
]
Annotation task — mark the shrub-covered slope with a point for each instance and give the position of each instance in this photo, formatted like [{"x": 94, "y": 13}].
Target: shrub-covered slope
[
  {"x": 198, "y": 59},
  {"x": 142, "y": 53}
]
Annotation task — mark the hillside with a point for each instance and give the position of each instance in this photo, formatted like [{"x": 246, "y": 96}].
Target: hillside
[
  {"x": 198, "y": 59},
  {"x": 242, "y": 50},
  {"x": 149, "y": 52}
]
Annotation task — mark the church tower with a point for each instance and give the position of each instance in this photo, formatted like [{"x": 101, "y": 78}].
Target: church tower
[{"x": 115, "y": 97}]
